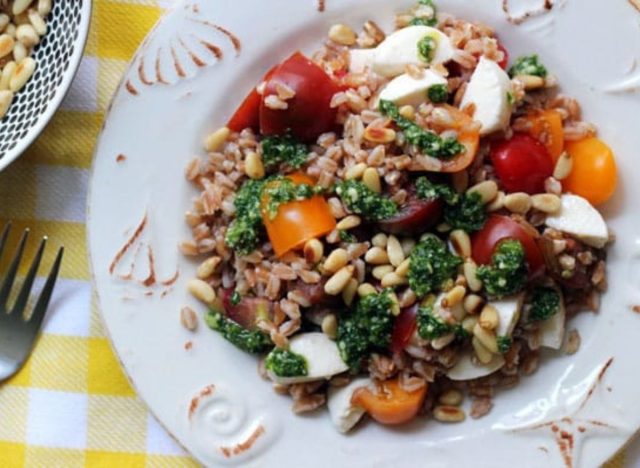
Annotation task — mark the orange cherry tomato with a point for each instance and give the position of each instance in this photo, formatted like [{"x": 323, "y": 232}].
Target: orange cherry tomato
[
  {"x": 594, "y": 175},
  {"x": 547, "y": 127},
  {"x": 390, "y": 404},
  {"x": 468, "y": 136},
  {"x": 298, "y": 221}
]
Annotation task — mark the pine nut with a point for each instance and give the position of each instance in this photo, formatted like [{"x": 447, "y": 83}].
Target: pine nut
[
  {"x": 443, "y": 341},
  {"x": 564, "y": 166},
  {"x": 380, "y": 240},
  {"x": 381, "y": 135},
  {"x": 407, "y": 298},
  {"x": 395, "y": 304},
  {"x": 403, "y": 268},
  {"x": 7, "y": 73},
  {"x": 366, "y": 289},
  {"x": 486, "y": 337},
  {"x": 376, "y": 256},
  {"x": 451, "y": 397},
  {"x": 20, "y": 52},
  {"x": 330, "y": 326},
  {"x": 518, "y": 202},
  {"x": 11, "y": 30},
  {"x": 44, "y": 7},
  {"x": 469, "y": 323},
  {"x": 355, "y": 172},
  {"x": 380, "y": 271},
  {"x": 488, "y": 317},
  {"x": 313, "y": 251},
  {"x": 6, "y": 45},
  {"x": 455, "y": 296},
  {"x": 4, "y": 21},
  {"x": 339, "y": 280},
  {"x": 530, "y": 82},
  {"x": 461, "y": 243},
  {"x": 349, "y": 222},
  {"x": 371, "y": 179},
  {"x": 394, "y": 251},
  {"x": 448, "y": 414},
  {"x": 473, "y": 303},
  {"x": 482, "y": 353},
  {"x": 215, "y": 140},
  {"x": 408, "y": 112},
  {"x": 336, "y": 260},
  {"x": 408, "y": 245},
  {"x": 253, "y": 166},
  {"x": 471, "y": 274},
  {"x": 37, "y": 22},
  {"x": 188, "y": 318},
  {"x": 553, "y": 185},
  {"x": 201, "y": 291},
  {"x": 546, "y": 202},
  {"x": 21, "y": 74},
  {"x": 392, "y": 279},
  {"x": 27, "y": 35},
  {"x": 488, "y": 190},
  {"x": 20, "y": 6},
  {"x": 460, "y": 181},
  {"x": 208, "y": 267},
  {"x": 349, "y": 292},
  {"x": 6, "y": 97},
  {"x": 497, "y": 203},
  {"x": 342, "y": 34}
]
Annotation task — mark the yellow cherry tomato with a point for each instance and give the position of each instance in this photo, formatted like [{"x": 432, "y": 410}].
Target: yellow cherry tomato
[{"x": 594, "y": 175}]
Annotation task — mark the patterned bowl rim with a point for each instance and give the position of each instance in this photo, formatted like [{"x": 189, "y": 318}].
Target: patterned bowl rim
[{"x": 61, "y": 91}]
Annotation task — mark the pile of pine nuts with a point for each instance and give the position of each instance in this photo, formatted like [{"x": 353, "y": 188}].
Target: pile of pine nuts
[{"x": 22, "y": 25}]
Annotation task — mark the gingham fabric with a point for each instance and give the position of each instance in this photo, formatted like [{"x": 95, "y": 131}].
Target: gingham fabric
[{"x": 71, "y": 405}]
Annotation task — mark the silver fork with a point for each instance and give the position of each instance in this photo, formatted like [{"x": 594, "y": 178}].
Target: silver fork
[{"x": 17, "y": 334}]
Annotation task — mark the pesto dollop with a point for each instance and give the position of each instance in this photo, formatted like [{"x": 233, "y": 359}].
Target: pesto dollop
[
  {"x": 438, "y": 93},
  {"x": 426, "y": 48},
  {"x": 545, "y": 303},
  {"x": 431, "y": 264},
  {"x": 251, "y": 341},
  {"x": 507, "y": 273},
  {"x": 285, "y": 363},
  {"x": 528, "y": 65},
  {"x": 283, "y": 149},
  {"x": 360, "y": 199}
]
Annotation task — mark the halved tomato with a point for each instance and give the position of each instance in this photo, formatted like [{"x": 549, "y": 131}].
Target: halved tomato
[{"x": 390, "y": 403}]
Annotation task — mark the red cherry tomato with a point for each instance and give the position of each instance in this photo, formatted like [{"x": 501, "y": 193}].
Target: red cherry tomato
[
  {"x": 505, "y": 61},
  {"x": 248, "y": 114},
  {"x": 415, "y": 216},
  {"x": 309, "y": 112},
  {"x": 522, "y": 163},
  {"x": 498, "y": 228},
  {"x": 403, "y": 328}
]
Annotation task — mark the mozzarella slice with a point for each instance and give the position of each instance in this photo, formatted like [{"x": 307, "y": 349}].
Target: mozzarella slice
[
  {"x": 401, "y": 49},
  {"x": 488, "y": 91},
  {"x": 344, "y": 414},
  {"x": 467, "y": 369},
  {"x": 508, "y": 313},
  {"x": 361, "y": 60},
  {"x": 322, "y": 356},
  {"x": 552, "y": 330},
  {"x": 578, "y": 218},
  {"x": 407, "y": 90}
]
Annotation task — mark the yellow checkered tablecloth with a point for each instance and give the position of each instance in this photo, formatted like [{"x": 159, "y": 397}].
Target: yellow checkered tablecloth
[{"x": 71, "y": 406}]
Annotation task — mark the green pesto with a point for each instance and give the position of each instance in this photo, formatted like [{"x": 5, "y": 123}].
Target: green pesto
[
  {"x": 431, "y": 20},
  {"x": 283, "y": 149},
  {"x": 427, "y": 48},
  {"x": 507, "y": 273},
  {"x": 504, "y": 343},
  {"x": 528, "y": 65},
  {"x": 545, "y": 303},
  {"x": 285, "y": 363},
  {"x": 284, "y": 191},
  {"x": 251, "y": 341},
  {"x": 360, "y": 199},
  {"x": 431, "y": 265},
  {"x": 365, "y": 328},
  {"x": 346, "y": 236},
  {"x": 425, "y": 140},
  {"x": 236, "y": 298},
  {"x": 438, "y": 94},
  {"x": 431, "y": 327}
]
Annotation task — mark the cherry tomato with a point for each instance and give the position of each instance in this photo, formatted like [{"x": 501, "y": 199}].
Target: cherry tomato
[
  {"x": 390, "y": 404},
  {"x": 505, "y": 61},
  {"x": 594, "y": 175},
  {"x": 403, "y": 328},
  {"x": 309, "y": 112},
  {"x": 248, "y": 114},
  {"x": 415, "y": 216},
  {"x": 522, "y": 163},
  {"x": 498, "y": 228},
  {"x": 547, "y": 127},
  {"x": 248, "y": 311},
  {"x": 468, "y": 135},
  {"x": 298, "y": 221}
]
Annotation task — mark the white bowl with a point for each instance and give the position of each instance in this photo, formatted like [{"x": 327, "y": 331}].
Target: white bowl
[{"x": 58, "y": 57}]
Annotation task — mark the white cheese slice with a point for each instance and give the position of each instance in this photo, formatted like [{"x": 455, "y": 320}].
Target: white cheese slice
[
  {"x": 508, "y": 310},
  {"x": 467, "y": 369},
  {"x": 552, "y": 330},
  {"x": 344, "y": 414},
  {"x": 488, "y": 91},
  {"x": 361, "y": 60},
  {"x": 322, "y": 356},
  {"x": 400, "y": 49},
  {"x": 407, "y": 90},
  {"x": 578, "y": 218}
]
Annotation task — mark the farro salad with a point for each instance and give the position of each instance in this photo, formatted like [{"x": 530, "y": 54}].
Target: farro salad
[{"x": 402, "y": 219}]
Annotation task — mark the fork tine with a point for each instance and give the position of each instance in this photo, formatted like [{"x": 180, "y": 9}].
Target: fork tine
[
  {"x": 5, "y": 236},
  {"x": 45, "y": 296},
  {"x": 11, "y": 274},
  {"x": 23, "y": 296}
]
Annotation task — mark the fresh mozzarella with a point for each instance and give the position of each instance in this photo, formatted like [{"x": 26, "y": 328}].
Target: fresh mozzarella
[
  {"x": 467, "y": 369},
  {"x": 361, "y": 60},
  {"x": 401, "y": 49},
  {"x": 508, "y": 310},
  {"x": 407, "y": 90},
  {"x": 344, "y": 414},
  {"x": 322, "y": 357},
  {"x": 488, "y": 91},
  {"x": 578, "y": 218},
  {"x": 552, "y": 329}
]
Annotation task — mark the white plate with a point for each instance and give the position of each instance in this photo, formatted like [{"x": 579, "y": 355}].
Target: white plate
[{"x": 590, "y": 398}]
